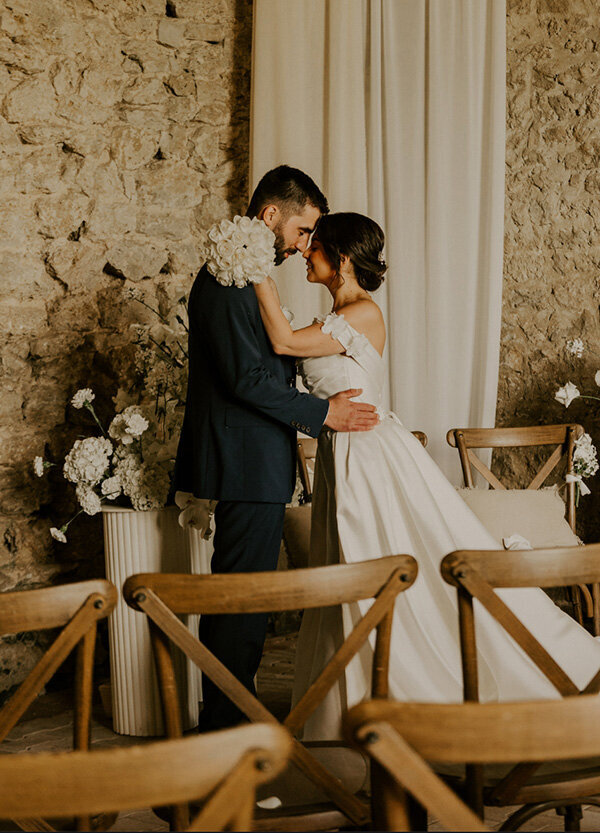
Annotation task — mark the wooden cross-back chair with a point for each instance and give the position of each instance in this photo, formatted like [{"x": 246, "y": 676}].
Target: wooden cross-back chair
[
  {"x": 163, "y": 597},
  {"x": 402, "y": 738},
  {"x": 476, "y": 574},
  {"x": 562, "y": 437},
  {"x": 76, "y": 610},
  {"x": 221, "y": 769},
  {"x": 307, "y": 452}
]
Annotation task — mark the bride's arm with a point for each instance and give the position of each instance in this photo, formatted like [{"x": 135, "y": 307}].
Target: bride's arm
[{"x": 309, "y": 341}]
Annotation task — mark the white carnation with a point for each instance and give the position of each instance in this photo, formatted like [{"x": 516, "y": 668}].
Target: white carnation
[
  {"x": 88, "y": 499},
  {"x": 585, "y": 456},
  {"x": 38, "y": 466},
  {"x": 88, "y": 460},
  {"x": 567, "y": 394},
  {"x": 128, "y": 425},
  {"x": 240, "y": 251},
  {"x": 575, "y": 347},
  {"x": 58, "y": 535},
  {"x": 83, "y": 397},
  {"x": 111, "y": 488}
]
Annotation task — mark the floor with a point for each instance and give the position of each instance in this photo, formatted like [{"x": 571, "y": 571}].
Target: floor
[{"x": 47, "y": 727}]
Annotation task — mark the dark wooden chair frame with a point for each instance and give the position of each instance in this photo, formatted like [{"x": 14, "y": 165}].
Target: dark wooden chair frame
[
  {"x": 402, "y": 737},
  {"x": 163, "y": 597},
  {"x": 76, "y": 609},
  {"x": 476, "y": 574},
  {"x": 221, "y": 769}
]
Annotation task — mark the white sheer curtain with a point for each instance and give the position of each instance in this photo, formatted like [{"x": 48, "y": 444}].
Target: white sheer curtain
[{"x": 396, "y": 108}]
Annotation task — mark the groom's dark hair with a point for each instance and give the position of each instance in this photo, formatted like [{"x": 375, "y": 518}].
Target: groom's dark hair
[{"x": 290, "y": 189}]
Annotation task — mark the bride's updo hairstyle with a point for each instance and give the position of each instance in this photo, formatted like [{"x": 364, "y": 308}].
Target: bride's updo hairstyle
[{"x": 359, "y": 238}]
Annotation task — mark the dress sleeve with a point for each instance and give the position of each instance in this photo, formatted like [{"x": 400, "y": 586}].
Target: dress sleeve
[{"x": 337, "y": 327}]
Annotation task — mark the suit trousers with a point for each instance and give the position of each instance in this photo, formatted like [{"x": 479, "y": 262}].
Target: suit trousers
[{"x": 247, "y": 540}]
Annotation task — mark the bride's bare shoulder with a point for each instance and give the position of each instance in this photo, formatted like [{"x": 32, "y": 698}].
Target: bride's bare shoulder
[
  {"x": 364, "y": 312},
  {"x": 366, "y": 318}
]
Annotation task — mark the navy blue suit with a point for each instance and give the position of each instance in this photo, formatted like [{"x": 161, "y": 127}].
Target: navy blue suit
[{"x": 238, "y": 446}]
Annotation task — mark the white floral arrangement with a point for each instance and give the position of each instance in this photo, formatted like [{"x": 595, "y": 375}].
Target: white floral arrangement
[
  {"x": 240, "y": 251},
  {"x": 104, "y": 468},
  {"x": 585, "y": 456}
]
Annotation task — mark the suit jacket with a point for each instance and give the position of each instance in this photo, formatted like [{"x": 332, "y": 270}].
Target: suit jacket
[{"x": 238, "y": 440}]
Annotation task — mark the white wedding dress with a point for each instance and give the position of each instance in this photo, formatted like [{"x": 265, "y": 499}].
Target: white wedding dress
[{"x": 379, "y": 493}]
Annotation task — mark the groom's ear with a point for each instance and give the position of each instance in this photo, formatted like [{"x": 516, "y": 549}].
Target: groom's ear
[{"x": 270, "y": 215}]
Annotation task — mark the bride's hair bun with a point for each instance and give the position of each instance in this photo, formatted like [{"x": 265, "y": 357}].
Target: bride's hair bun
[{"x": 359, "y": 238}]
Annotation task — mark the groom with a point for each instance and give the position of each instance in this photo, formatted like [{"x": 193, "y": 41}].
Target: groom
[{"x": 238, "y": 440}]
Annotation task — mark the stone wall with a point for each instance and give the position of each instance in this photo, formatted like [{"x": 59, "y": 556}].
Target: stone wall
[
  {"x": 123, "y": 132},
  {"x": 552, "y": 241}
]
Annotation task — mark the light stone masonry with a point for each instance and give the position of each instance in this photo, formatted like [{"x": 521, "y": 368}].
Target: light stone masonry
[{"x": 123, "y": 134}]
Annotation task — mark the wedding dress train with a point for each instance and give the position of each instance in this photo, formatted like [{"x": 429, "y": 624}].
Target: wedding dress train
[{"x": 379, "y": 493}]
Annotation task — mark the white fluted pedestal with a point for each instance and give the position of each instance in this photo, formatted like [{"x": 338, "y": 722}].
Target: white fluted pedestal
[{"x": 147, "y": 542}]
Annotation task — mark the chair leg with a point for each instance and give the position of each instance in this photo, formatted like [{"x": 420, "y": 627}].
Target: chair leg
[
  {"x": 573, "y": 815},
  {"x": 83, "y": 702}
]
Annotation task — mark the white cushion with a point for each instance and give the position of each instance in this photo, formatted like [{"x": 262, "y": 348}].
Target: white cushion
[{"x": 537, "y": 515}]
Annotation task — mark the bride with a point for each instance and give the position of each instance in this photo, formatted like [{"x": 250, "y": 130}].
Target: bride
[{"x": 379, "y": 493}]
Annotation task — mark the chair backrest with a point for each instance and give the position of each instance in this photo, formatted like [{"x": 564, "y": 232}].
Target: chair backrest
[
  {"x": 475, "y": 574},
  {"x": 224, "y": 767},
  {"x": 401, "y": 737},
  {"x": 562, "y": 437},
  {"x": 307, "y": 453},
  {"x": 164, "y": 597},
  {"x": 76, "y": 609}
]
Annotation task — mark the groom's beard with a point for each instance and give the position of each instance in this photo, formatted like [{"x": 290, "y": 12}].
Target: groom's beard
[{"x": 280, "y": 248}]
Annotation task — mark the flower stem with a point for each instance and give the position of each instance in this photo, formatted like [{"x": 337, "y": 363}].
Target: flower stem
[{"x": 93, "y": 413}]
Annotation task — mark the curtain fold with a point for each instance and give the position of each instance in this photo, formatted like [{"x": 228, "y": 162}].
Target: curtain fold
[{"x": 396, "y": 108}]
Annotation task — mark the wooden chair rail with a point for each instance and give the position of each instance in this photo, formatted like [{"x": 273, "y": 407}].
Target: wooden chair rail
[
  {"x": 555, "y": 567},
  {"x": 49, "y": 607},
  {"x": 519, "y": 436},
  {"x": 265, "y": 592},
  {"x": 529, "y": 730},
  {"x": 228, "y": 764}
]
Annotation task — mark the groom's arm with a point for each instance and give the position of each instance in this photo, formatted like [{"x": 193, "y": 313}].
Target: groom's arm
[{"x": 227, "y": 322}]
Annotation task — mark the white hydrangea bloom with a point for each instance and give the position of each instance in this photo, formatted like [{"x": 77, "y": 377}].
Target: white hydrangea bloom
[
  {"x": 240, "y": 251},
  {"x": 58, "y": 535},
  {"x": 88, "y": 499},
  {"x": 575, "y": 347},
  {"x": 83, "y": 397},
  {"x": 147, "y": 486},
  {"x": 88, "y": 460},
  {"x": 111, "y": 488},
  {"x": 128, "y": 425},
  {"x": 38, "y": 466},
  {"x": 567, "y": 394}
]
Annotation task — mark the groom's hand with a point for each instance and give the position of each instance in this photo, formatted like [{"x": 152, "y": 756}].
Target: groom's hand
[{"x": 344, "y": 415}]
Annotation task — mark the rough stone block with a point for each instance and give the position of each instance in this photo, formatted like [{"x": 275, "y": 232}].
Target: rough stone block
[
  {"x": 137, "y": 258},
  {"x": 171, "y": 32}
]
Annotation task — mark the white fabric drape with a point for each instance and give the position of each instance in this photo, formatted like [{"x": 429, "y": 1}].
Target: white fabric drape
[{"x": 396, "y": 108}]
